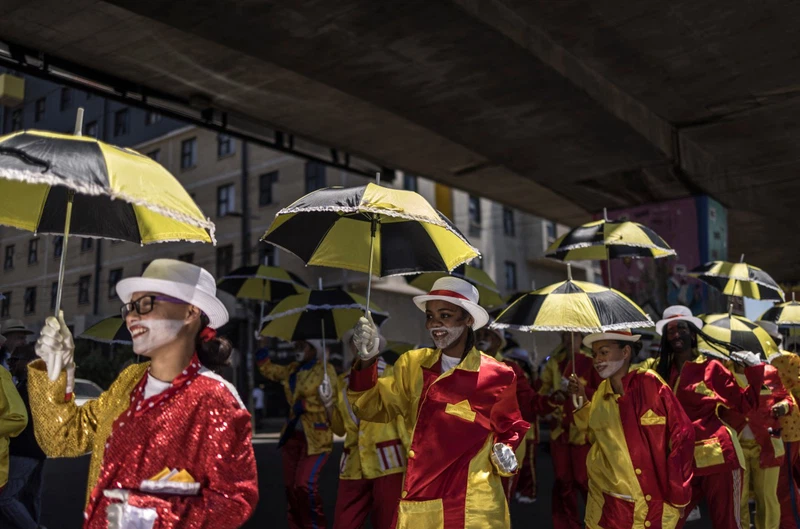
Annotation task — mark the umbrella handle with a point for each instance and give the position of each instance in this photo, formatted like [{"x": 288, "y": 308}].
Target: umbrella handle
[
  {"x": 577, "y": 401},
  {"x": 63, "y": 265}
]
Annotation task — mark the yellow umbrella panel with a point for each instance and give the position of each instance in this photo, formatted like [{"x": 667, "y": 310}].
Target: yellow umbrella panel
[
  {"x": 739, "y": 279},
  {"x": 738, "y": 331}
]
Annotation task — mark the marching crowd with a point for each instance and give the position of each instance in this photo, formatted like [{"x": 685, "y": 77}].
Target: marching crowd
[{"x": 444, "y": 438}]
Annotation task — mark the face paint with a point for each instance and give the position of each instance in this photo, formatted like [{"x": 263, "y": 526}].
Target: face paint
[
  {"x": 149, "y": 335},
  {"x": 299, "y": 356},
  {"x": 444, "y": 337},
  {"x": 606, "y": 369}
]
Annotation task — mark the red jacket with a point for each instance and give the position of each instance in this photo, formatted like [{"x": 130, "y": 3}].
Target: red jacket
[
  {"x": 761, "y": 420},
  {"x": 584, "y": 368}
]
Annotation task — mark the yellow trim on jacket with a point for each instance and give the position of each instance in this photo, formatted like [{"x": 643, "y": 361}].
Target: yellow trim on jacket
[{"x": 13, "y": 419}]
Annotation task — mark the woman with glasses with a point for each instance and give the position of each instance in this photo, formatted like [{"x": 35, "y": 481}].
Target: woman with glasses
[{"x": 170, "y": 439}]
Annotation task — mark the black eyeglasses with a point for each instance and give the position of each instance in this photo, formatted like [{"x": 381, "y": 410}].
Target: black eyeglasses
[{"x": 145, "y": 304}]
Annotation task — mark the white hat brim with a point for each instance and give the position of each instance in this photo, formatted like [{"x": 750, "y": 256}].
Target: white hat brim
[
  {"x": 600, "y": 336},
  {"x": 660, "y": 324},
  {"x": 477, "y": 312},
  {"x": 210, "y": 305}
]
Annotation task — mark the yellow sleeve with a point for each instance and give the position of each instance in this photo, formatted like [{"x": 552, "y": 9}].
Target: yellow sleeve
[
  {"x": 13, "y": 417},
  {"x": 389, "y": 398},
  {"x": 309, "y": 393},
  {"x": 339, "y": 410},
  {"x": 581, "y": 416},
  {"x": 275, "y": 372},
  {"x": 547, "y": 377}
]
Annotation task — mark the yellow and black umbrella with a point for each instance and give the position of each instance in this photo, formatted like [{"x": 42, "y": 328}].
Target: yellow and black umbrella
[
  {"x": 261, "y": 283},
  {"x": 739, "y": 279},
  {"x": 736, "y": 330},
  {"x": 488, "y": 293},
  {"x": 73, "y": 185},
  {"x": 109, "y": 330},
  {"x": 784, "y": 315}
]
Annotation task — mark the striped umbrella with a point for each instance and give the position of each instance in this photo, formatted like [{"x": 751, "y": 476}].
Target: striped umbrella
[
  {"x": 738, "y": 331},
  {"x": 261, "y": 283},
  {"x": 109, "y": 330},
  {"x": 739, "y": 279},
  {"x": 73, "y": 185},
  {"x": 488, "y": 293},
  {"x": 784, "y": 315}
]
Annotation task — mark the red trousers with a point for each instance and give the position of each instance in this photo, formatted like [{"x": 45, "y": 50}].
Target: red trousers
[
  {"x": 526, "y": 484},
  {"x": 301, "y": 479},
  {"x": 723, "y": 495},
  {"x": 788, "y": 491},
  {"x": 358, "y": 497},
  {"x": 569, "y": 465}
]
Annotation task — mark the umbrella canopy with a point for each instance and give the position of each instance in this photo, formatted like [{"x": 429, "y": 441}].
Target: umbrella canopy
[
  {"x": 301, "y": 317},
  {"x": 737, "y": 330},
  {"x": 108, "y": 330},
  {"x": 574, "y": 306},
  {"x": 343, "y": 227},
  {"x": 118, "y": 193},
  {"x": 489, "y": 294},
  {"x": 784, "y": 315},
  {"x": 261, "y": 283},
  {"x": 609, "y": 239},
  {"x": 739, "y": 279}
]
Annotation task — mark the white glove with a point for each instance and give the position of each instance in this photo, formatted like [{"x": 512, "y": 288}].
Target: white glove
[
  {"x": 56, "y": 347},
  {"x": 124, "y": 516},
  {"x": 325, "y": 391},
  {"x": 747, "y": 358},
  {"x": 504, "y": 459},
  {"x": 366, "y": 338},
  {"x": 564, "y": 384}
]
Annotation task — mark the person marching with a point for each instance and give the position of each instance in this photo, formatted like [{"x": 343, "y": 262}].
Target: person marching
[
  {"x": 170, "y": 439},
  {"x": 306, "y": 441},
  {"x": 703, "y": 385},
  {"x": 13, "y": 420},
  {"x": 460, "y": 406},
  {"x": 788, "y": 366},
  {"x": 373, "y": 462},
  {"x": 642, "y": 442}
]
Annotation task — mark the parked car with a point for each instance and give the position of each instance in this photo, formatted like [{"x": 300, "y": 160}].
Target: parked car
[{"x": 86, "y": 390}]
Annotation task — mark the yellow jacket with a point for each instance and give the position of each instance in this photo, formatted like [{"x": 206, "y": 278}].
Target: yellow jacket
[
  {"x": 788, "y": 366},
  {"x": 13, "y": 419},
  {"x": 371, "y": 449},
  {"x": 301, "y": 385}
]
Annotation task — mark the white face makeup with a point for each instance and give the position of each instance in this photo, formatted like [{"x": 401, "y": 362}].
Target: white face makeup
[
  {"x": 149, "y": 335},
  {"x": 606, "y": 369},
  {"x": 483, "y": 345},
  {"x": 444, "y": 337}
]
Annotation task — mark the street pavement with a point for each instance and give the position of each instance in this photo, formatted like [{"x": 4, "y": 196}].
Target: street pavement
[{"x": 65, "y": 481}]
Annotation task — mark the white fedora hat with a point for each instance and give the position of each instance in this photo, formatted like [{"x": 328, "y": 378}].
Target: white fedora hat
[
  {"x": 677, "y": 313},
  {"x": 10, "y": 326},
  {"x": 622, "y": 335},
  {"x": 183, "y": 281},
  {"x": 458, "y": 292}
]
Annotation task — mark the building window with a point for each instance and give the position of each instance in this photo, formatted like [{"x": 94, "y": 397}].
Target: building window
[
  {"x": 38, "y": 114},
  {"x": 226, "y": 199},
  {"x": 58, "y": 246},
  {"x": 9, "y": 262},
  {"x": 315, "y": 176},
  {"x": 224, "y": 260},
  {"x": 509, "y": 227},
  {"x": 186, "y": 258},
  {"x": 53, "y": 295},
  {"x": 33, "y": 251},
  {"x": 151, "y": 117},
  {"x": 188, "y": 153},
  {"x": 86, "y": 244},
  {"x": 155, "y": 154},
  {"x": 224, "y": 145},
  {"x": 66, "y": 99},
  {"x": 90, "y": 129},
  {"x": 265, "y": 183},
  {"x": 410, "y": 182},
  {"x": 266, "y": 255},
  {"x": 16, "y": 120},
  {"x": 511, "y": 275},
  {"x": 83, "y": 289},
  {"x": 5, "y": 305},
  {"x": 551, "y": 231},
  {"x": 30, "y": 300},
  {"x": 121, "y": 122},
  {"x": 114, "y": 277},
  {"x": 474, "y": 216}
]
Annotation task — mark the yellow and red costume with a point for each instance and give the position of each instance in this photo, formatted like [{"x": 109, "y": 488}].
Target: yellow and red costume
[
  {"x": 788, "y": 366},
  {"x": 569, "y": 445},
  {"x": 198, "y": 425},
  {"x": 455, "y": 418},
  {"x": 372, "y": 465},
  {"x": 306, "y": 440},
  {"x": 640, "y": 461},
  {"x": 759, "y": 436},
  {"x": 13, "y": 419},
  {"x": 703, "y": 387}
]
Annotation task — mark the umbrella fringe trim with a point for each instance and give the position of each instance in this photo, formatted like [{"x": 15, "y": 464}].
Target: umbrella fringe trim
[
  {"x": 579, "y": 245},
  {"x": 568, "y": 328},
  {"x": 748, "y": 280},
  {"x": 305, "y": 308},
  {"x": 98, "y": 190}
]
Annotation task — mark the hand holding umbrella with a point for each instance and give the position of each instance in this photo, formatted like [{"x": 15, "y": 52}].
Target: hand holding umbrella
[{"x": 56, "y": 347}]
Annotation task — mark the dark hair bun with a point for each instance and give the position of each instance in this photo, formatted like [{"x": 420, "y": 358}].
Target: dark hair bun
[{"x": 214, "y": 354}]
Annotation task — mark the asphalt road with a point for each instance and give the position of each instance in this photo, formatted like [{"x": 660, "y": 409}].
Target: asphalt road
[{"x": 65, "y": 481}]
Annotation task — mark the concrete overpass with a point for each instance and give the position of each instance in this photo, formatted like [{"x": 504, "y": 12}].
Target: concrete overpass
[{"x": 556, "y": 108}]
